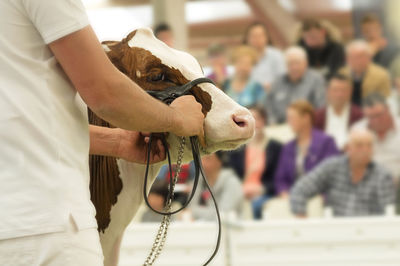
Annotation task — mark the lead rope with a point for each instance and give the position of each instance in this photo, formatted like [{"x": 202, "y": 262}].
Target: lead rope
[{"x": 161, "y": 236}]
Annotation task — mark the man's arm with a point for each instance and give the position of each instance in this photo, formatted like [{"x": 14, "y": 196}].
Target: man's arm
[
  {"x": 124, "y": 144},
  {"x": 114, "y": 97},
  {"x": 313, "y": 183}
]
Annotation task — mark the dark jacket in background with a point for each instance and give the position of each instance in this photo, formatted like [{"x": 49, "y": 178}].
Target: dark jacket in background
[
  {"x": 328, "y": 58},
  {"x": 237, "y": 160}
]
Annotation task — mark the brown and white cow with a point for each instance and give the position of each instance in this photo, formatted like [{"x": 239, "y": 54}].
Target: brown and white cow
[{"x": 116, "y": 185}]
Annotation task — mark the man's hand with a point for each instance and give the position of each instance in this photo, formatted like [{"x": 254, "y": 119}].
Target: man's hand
[
  {"x": 133, "y": 147},
  {"x": 189, "y": 120},
  {"x": 124, "y": 144}
]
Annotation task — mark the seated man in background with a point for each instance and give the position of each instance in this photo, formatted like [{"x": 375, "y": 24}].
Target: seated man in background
[
  {"x": 324, "y": 54},
  {"x": 339, "y": 113},
  {"x": 241, "y": 87},
  {"x": 157, "y": 199},
  {"x": 307, "y": 150},
  {"x": 226, "y": 187},
  {"x": 383, "y": 51},
  {"x": 367, "y": 76},
  {"x": 298, "y": 83},
  {"x": 216, "y": 54},
  {"x": 386, "y": 132},
  {"x": 353, "y": 184},
  {"x": 270, "y": 63},
  {"x": 256, "y": 163},
  {"x": 164, "y": 33}
]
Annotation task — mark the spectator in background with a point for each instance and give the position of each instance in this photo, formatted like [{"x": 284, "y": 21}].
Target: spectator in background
[
  {"x": 382, "y": 50},
  {"x": 241, "y": 87},
  {"x": 226, "y": 187},
  {"x": 324, "y": 54},
  {"x": 339, "y": 113},
  {"x": 164, "y": 33},
  {"x": 218, "y": 62},
  {"x": 256, "y": 163},
  {"x": 367, "y": 76},
  {"x": 157, "y": 199},
  {"x": 299, "y": 83},
  {"x": 353, "y": 184},
  {"x": 307, "y": 150},
  {"x": 386, "y": 132},
  {"x": 270, "y": 60}
]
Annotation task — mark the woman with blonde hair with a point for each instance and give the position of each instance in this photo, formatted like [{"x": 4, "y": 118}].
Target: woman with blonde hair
[{"x": 240, "y": 86}]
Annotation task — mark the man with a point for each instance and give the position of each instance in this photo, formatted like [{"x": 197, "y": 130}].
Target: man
[
  {"x": 386, "y": 131},
  {"x": 339, "y": 113},
  {"x": 353, "y": 184},
  {"x": 383, "y": 51},
  {"x": 49, "y": 54},
  {"x": 298, "y": 83},
  {"x": 367, "y": 76},
  {"x": 324, "y": 54},
  {"x": 226, "y": 187},
  {"x": 164, "y": 33},
  {"x": 270, "y": 63}
]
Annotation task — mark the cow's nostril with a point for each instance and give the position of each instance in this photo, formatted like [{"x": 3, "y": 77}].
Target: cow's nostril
[{"x": 240, "y": 120}]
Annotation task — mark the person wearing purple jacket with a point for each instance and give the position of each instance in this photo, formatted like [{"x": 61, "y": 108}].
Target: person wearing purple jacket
[{"x": 307, "y": 150}]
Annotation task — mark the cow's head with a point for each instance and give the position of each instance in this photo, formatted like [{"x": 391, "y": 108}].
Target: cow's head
[{"x": 155, "y": 66}]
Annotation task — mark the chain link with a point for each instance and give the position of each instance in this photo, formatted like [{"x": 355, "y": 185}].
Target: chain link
[{"x": 161, "y": 235}]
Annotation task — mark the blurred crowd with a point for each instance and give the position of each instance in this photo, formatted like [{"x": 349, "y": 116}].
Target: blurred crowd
[{"x": 327, "y": 124}]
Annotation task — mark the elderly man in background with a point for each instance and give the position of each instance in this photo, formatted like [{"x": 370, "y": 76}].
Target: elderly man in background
[
  {"x": 339, "y": 113},
  {"x": 367, "y": 76},
  {"x": 353, "y": 184},
  {"x": 386, "y": 131},
  {"x": 299, "y": 82}
]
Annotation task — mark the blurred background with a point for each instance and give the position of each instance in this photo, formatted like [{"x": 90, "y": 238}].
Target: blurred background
[{"x": 318, "y": 183}]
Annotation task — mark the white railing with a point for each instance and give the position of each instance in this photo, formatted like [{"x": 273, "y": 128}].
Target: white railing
[{"x": 300, "y": 242}]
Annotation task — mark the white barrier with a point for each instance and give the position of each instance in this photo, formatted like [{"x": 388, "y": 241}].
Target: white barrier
[{"x": 307, "y": 242}]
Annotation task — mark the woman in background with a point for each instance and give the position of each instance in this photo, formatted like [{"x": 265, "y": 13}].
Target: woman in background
[
  {"x": 256, "y": 164},
  {"x": 241, "y": 87},
  {"x": 309, "y": 148}
]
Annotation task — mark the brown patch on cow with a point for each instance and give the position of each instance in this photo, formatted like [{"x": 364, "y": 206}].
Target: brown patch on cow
[
  {"x": 105, "y": 183},
  {"x": 134, "y": 60}
]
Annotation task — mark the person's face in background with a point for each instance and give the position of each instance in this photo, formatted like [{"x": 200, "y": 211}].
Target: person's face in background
[
  {"x": 257, "y": 38},
  {"x": 360, "y": 148},
  {"x": 259, "y": 121},
  {"x": 218, "y": 60},
  {"x": 243, "y": 66},
  {"x": 358, "y": 60},
  {"x": 167, "y": 37},
  {"x": 339, "y": 92},
  {"x": 379, "y": 118},
  {"x": 156, "y": 201},
  {"x": 211, "y": 165},
  {"x": 371, "y": 31},
  {"x": 297, "y": 122},
  {"x": 296, "y": 67},
  {"x": 315, "y": 38}
]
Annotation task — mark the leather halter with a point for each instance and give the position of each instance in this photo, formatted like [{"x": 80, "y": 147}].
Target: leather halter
[{"x": 167, "y": 96}]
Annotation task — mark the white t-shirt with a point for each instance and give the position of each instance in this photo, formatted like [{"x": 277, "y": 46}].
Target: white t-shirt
[
  {"x": 44, "y": 139},
  {"x": 337, "y": 126}
]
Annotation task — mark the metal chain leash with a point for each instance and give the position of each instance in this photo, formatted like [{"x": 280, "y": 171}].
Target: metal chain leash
[{"x": 161, "y": 235}]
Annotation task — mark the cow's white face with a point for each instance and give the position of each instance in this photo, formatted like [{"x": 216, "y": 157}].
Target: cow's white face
[{"x": 155, "y": 66}]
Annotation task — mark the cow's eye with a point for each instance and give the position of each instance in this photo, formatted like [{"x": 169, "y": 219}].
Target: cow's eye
[{"x": 158, "y": 77}]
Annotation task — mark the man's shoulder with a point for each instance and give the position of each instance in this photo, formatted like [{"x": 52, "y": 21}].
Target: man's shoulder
[{"x": 378, "y": 71}]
